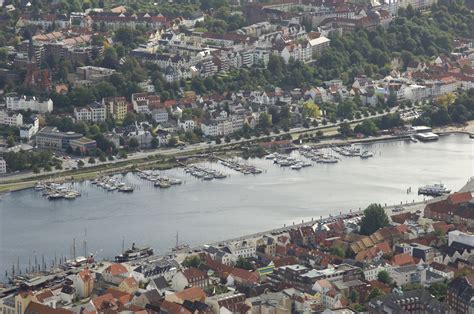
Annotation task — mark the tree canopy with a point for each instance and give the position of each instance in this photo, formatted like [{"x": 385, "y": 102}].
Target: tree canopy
[{"x": 374, "y": 219}]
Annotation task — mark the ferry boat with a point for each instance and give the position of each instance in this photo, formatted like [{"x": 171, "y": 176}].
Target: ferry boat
[
  {"x": 436, "y": 189},
  {"x": 133, "y": 254}
]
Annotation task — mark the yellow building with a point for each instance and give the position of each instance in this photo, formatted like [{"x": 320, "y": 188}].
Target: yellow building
[{"x": 129, "y": 285}]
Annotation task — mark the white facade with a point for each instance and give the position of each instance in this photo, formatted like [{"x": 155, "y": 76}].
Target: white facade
[
  {"x": 461, "y": 237},
  {"x": 3, "y": 165},
  {"x": 29, "y": 103},
  {"x": 27, "y": 131},
  {"x": 188, "y": 125},
  {"x": 93, "y": 113},
  {"x": 11, "y": 118},
  {"x": 160, "y": 115}
]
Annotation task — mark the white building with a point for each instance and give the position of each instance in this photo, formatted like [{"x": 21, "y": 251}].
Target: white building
[
  {"x": 29, "y": 103},
  {"x": 410, "y": 274},
  {"x": 95, "y": 112},
  {"x": 27, "y": 131},
  {"x": 461, "y": 237},
  {"x": 188, "y": 125},
  {"x": 11, "y": 118},
  {"x": 160, "y": 115},
  {"x": 244, "y": 249},
  {"x": 372, "y": 272},
  {"x": 3, "y": 165}
]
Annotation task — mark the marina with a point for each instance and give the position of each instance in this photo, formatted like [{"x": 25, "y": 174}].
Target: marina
[
  {"x": 240, "y": 167},
  {"x": 56, "y": 191},
  {"x": 156, "y": 214}
]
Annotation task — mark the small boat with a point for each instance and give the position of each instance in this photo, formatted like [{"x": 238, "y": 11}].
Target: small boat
[
  {"x": 208, "y": 177},
  {"x": 175, "y": 181},
  {"x": 55, "y": 196},
  {"x": 366, "y": 155},
  {"x": 164, "y": 184},
  {"x": 111, "y": 188},
  {"x": 306, "y": 164},
  {"x": 70, "y": 196},
  {"x": 270, "y": 156},
  {"x": 220, "y": 176},
  {"x": 296, "y": 166},
  {"x": 125, "y": 189}
]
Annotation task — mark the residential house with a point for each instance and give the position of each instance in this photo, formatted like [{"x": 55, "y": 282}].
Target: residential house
[
  {"x": 83, "y": 283},
  {"x": 115, "y": 273},
  {"x": 190, "y": 294},
  {"x": 190, "y": 277},
  {"x": 129, "y": 285}
]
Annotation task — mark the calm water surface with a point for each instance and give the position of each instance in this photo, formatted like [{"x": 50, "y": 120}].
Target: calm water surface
[{"x": 206, "y": 211}]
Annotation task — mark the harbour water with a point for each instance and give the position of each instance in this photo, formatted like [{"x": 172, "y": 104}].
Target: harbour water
[{"x": 207, "y": 211}]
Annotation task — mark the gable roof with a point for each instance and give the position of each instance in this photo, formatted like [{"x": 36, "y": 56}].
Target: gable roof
[
  {"x": 193, "y": 273},
  {"x": 459, "y": 198},
  {"x": 116, "y": 269},
  {"x": 46, "y": 294},
  {"x": 245, "y": 275},
  {"x": 173, "y": 308},
  {"x": 403, "y": 259},
  {"x": 123, "y": 297},
  {"x": 38, "y": 308},
  {"x": 191, "y": 294},
  {"x": 130, "y": 282},
  {"x": 160, "y": 282}
]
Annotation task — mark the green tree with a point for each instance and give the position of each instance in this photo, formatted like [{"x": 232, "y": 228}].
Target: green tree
[
  {"x": 191, "y": 261},
  {"x": 345, "y": 129},
  {"x": 338, "y": 251},
  {"x": 384, "y": 277},
  {"x": 374, "y": 293},
  {"x": 133, "y": 143},
  {"x": 155, "y": 143},
  {"x": 367, "y": 127},
  {"x": 10, "y": 141},
  {"x": 374, "y": 219},
  {"x": 80, "y": 163},
  {"x": 354, "y": 296},
  {"x": 439, "y": 290},
  {"x": 91, "y": 160},
  {"x": 243, "y": 263}
]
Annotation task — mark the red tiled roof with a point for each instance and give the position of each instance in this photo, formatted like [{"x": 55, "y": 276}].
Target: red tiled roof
[
  {"x": 459, "y": 198},
  {"x": 116, "y": 269},
  {"x": 245, "y": 275},
  {"x": 173, "y": 308},
  {"x": 121, "y": 296},
  {"x": 442, "y": 226},
  {"x": 194, "y": 273},
  {"x": 85, "y": 275},
  {"x": 38, "y": 308},
  {"x": 44, "y": 295},
  {"x": 402, "y": 259},
  {"x": 104, "y": 301},
  {"x": 130, "y": 282},
  {"x": 191, "y": 294}
]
